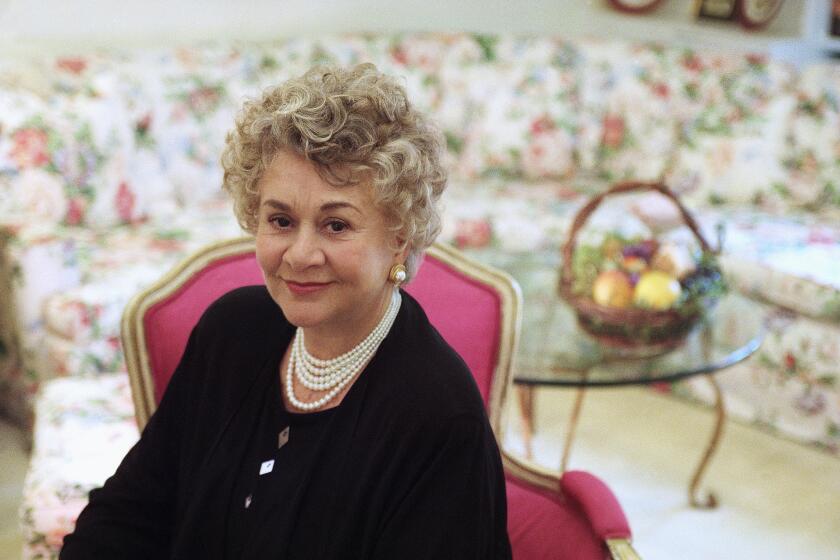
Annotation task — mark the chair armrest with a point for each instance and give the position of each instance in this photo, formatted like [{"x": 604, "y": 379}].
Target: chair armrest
[
  {"x": 599, "y": 504},
  {"x": 602, "y": 509},
  {"x": 531, "y": 473}
]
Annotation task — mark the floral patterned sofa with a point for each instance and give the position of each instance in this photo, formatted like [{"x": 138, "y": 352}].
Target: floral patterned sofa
[{"x": 109, "y": 175}]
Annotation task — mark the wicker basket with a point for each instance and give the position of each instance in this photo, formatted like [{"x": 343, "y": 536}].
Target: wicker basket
[{"x": 632, "y": 330}]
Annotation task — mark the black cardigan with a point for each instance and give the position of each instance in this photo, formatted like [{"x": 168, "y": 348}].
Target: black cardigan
[{"x": 409, "y": 468}]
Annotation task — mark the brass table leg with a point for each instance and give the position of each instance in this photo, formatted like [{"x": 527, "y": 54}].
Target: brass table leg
[
  {"x": 526, "y": 411},
  {"x": 570, "y": 431},
  {"x": 710, "y": 501}
]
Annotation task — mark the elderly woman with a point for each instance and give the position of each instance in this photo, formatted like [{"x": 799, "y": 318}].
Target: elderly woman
[{"x": 319, "y": 416}]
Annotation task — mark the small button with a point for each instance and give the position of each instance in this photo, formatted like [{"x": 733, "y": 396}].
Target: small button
[{"x": 283, "y": 437}]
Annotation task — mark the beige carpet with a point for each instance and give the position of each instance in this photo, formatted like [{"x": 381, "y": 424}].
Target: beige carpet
[
  {"x": 779, "y": 500},
  {"x": 13, "y": 463}
]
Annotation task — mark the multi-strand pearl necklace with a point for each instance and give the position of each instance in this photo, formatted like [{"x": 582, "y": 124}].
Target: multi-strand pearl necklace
[{"x": 334, "y": 374}]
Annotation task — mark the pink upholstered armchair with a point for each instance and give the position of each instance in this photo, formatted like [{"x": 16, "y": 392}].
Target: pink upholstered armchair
[{"x": 475, "y": 308}]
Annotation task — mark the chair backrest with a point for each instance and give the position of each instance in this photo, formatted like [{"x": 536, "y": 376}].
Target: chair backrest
[{"x": 476, "y": 309}]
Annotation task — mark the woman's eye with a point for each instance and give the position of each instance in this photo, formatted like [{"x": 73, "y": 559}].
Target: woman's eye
[
  {"x": 336, "y": 226},
  {"x": 280, "y": 221}
]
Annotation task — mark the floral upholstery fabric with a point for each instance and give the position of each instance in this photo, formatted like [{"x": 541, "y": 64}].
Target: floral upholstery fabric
[
  {"x": 516, "y": 98},
  {"x": 630, "y": 121},
  {"x": 793, "y": 262},
  {"x": 84, "y": 428},
  {"x": 813, "y": 142},
  {"x": 109, "y": 167},
  {"x": 69, "y": 288}
]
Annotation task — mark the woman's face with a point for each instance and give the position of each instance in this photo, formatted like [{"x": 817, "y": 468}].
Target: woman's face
[{"x": 325, "y": 251}]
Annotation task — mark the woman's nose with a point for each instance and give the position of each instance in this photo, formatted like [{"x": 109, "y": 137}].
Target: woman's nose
[{"x": 304, "y": 251}]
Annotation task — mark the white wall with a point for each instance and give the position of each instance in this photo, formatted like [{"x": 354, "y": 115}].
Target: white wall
[
  {"x": 78, "y": 24},
  {"x": 102, "y": 21}
]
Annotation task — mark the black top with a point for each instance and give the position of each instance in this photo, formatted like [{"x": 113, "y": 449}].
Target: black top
[
  {"x": 273, "y": 470},
  {"x": 405, "y": 467}
]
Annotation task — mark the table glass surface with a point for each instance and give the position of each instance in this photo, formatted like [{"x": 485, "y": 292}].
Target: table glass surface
[{"x": 554, "y": 350}]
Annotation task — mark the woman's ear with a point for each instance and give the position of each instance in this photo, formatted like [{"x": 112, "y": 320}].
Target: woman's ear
[
  {"x": 402, "y": 254},
  {"x": 402, "y": 250}
]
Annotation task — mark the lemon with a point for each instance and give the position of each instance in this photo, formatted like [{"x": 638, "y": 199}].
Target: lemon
[{"x": 656, "y": 290}]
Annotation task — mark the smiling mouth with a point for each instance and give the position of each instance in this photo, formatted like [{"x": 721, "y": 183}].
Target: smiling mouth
[{"x": 303, "y": 288}]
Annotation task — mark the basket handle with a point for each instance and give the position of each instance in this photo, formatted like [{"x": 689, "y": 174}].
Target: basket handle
[{"x": 621, "y": 188}]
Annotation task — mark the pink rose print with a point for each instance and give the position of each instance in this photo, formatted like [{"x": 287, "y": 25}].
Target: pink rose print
[
  {"x": 757, "y": 59},
  {"x": 72, "y": 65},
  {"x": 75, "y": 212},
  {"x": 399, "y": 56},
  {"x": 203, "y": 100},
  {"x": 822, "y": 236},
  {"x": 542, "y": 125},
  {"x": 692, "y": 62},
  {"x": 613, "y": 131},
  {"x": 125, "y": 202},
  {"x": 29, "y": 147},
  {"x": 472, "y": 233},
  {"x": 811, "y": 403},
  {"x": 661, "y": 90},
  {"x": 790, "y": 362},
  {"x": 144, "y": 124}
]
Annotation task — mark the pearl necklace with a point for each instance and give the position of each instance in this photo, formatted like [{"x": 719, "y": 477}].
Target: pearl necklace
[{"x": 334, "y": 374}]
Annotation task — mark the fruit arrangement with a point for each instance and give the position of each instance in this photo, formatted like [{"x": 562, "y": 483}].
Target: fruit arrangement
[
  {"x": 639, "y": 292},
  {"x": 623, "y": 273}
]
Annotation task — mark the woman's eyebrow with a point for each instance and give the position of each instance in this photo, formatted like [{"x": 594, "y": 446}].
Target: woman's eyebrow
[
  {"x": 277, "y": 205},
  {"x": 326, "y": 207}
]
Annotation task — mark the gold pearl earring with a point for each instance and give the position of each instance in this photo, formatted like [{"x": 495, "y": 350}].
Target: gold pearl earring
[{"x": 398, "y": 274}]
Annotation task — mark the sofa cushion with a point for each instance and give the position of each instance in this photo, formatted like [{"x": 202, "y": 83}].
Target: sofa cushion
[
  {"x": 790, "y": 261},
  {"x": 813, "y": 150},
  {"x": 83, "y": 429},
  {"x": 734, "y": 118},
  {"x": 629, "y": 120},
  {"x": 73, "y": 158},
  {"x": 76, "y": 281},
  {"x": 510, "y": 106},
  {"x": 507, "y": 216}
]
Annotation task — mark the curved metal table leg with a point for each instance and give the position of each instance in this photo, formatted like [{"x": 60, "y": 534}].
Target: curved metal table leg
[
  {"x": 710, "y": 501},
  {"x": 570, "y": 431},
  {"x": 526, "y": 411}
]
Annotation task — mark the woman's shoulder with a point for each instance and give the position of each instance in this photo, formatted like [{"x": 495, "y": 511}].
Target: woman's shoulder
[
  {"x": 247, "y": 312},
  {"x": 245, "y": 302},
  {"x": 432, "y": 378},
  {"x": 242, "y": 300}
]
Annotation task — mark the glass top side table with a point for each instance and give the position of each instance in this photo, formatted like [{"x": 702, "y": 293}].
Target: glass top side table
[{"x": 555, "y": 351}]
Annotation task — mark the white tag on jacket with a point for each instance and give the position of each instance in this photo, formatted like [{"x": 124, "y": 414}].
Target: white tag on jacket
[{"x": 266, "y": 467}]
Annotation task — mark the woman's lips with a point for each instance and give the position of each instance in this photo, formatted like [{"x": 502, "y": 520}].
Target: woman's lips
[{"x": 304, "y": 288}]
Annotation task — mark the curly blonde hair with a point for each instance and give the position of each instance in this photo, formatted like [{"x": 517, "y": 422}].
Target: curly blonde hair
[{"x": 356, "y": 125}]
